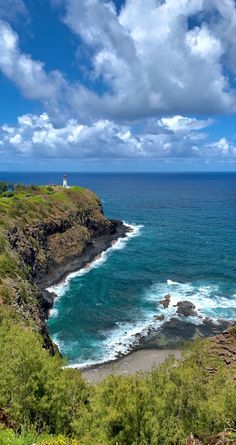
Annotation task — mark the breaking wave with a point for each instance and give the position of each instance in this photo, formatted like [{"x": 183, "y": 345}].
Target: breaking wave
[
  {"x": 206, "y": 298},
  {"x": 61, "y": 288}
]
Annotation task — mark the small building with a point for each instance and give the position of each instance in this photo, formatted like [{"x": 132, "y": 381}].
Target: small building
[{"x": 65, "y": 183}]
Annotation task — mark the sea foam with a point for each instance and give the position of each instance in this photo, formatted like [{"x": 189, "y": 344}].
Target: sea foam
[
  {"x": 61, "y": 288},
  {"x": 125, "y": 336},
  {"x": 122, "y": 338},
  {"x": 120, "y": 341},
  {"x": 207, "y": 299}
]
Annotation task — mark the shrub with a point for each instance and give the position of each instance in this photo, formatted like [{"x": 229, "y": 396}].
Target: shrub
[
  {"x": 8, "y": 437},
  {"x": 157, "y": 408},
  {"x": 34, "y": 389}
]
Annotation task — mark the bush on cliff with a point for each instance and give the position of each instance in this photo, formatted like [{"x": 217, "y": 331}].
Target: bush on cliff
[
  {"x": 161, "y": 407},
  {"x": 164, "y": 406},
  {"x": 34, "y": 389},
  {"x": 9, "y": 437}
]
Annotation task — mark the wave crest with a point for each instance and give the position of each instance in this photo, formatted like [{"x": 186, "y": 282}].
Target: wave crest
[{"x": 61, "y": 288}]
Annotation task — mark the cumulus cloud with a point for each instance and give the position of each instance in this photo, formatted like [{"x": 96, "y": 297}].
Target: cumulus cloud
[
  {"x": 183, "y": 124},
  {"x": 36, "y": 136},
  {"x": 152, "y": 58},
  {"x": 158, "y": 57},
  {"x": 28, "y": 74},
  {"x": 221, "y": 148}
]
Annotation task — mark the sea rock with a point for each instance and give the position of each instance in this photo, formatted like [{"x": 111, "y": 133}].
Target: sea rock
[
  {"x": 186, "y": 309},
  {"x": 159, "y": 317},
  {"x": 166, "y": 301}
]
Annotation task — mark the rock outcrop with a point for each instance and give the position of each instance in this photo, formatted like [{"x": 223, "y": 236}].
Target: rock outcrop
[
  {"x": 48, "y": 234},
  {"x": 186, "y": 309},
  {"x": 224, "y": 346},
  {"x": 166, "y": 301}
]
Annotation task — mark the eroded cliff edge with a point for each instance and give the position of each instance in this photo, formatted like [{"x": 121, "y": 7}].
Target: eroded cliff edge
[{"x": 46, "y": 233}]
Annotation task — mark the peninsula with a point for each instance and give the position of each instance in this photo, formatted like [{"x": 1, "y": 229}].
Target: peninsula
[{"x": 47, "y": 232}]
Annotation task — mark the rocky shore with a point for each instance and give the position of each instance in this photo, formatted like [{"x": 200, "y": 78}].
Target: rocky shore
[
  {"x": 48, "y": 232},
  {"x": 58, "y": 272},
  {"x": 187, "y": 324},
  {"x": 221, "y": 345}
]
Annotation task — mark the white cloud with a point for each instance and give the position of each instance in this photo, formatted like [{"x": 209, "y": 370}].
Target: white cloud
[
  {"x": 222, "y": 148},
  {"x": 151, "y": 60},
  {"x": 37, "y": 137},
  {"x": 203, "y": 44},
  {"x": 183, "y": 124},
  {"x": 155, "y": 57},
  {"x": 29, "y": 75},
  {"x": 16, "y": 139}
]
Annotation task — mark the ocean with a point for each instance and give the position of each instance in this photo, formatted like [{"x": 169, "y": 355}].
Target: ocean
[{"x": 183, "y": 243}]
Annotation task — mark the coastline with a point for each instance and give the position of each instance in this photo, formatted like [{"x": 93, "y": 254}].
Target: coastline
[
  {"x": 143, "y": 360},
  {"x": 94, "y": 249},
  {"x": 149, "y": 351}
]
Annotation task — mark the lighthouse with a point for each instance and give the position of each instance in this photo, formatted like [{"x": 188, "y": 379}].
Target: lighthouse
[{"x": 65, "y": 183}]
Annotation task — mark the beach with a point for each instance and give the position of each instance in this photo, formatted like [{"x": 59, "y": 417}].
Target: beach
[
  {"x": 111, "y": 304},
  {"x": 138, "y": 361}
]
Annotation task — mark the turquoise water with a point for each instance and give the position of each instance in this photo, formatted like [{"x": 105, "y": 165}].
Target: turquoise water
[{"x": 183, "y": 244}]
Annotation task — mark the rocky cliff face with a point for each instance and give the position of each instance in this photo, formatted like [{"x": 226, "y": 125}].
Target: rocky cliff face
[
  {"x": 67, "y": 229},
  {"x": 47, "y": 244}
]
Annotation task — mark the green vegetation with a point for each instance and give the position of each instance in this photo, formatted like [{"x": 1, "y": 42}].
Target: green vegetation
[
  {"x": 38, "y": 395},
  {"x": 30, "y": 204},
  {"x": 44, "y": 403},
  {"x": 5, "y": 187},
  {"x": 23, "y": 206}
]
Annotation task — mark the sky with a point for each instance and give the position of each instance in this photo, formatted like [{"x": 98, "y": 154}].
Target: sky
[{"x": 122, "y": 85}]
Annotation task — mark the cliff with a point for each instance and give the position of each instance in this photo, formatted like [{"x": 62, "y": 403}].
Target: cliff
[{"x": 45, "y": 233}]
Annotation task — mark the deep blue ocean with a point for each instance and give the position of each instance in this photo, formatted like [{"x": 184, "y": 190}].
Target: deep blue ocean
[{"x": 183, "y": 243}]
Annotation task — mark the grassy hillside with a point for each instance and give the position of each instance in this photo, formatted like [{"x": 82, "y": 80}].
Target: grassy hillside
[
  {"x": 27, "y": 206},
  {"x": 38, "y": 202},
  {"x": 41, "y": 227}
]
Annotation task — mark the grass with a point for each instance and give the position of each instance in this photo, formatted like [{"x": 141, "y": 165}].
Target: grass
[
  {"x": 8, "y": 266},
  {"x": 32, "y": 203}
]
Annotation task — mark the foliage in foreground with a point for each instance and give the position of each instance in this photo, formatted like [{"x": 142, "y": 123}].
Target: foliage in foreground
[
  {"x": 162, "y": 407},
  {"x": 9, "y": 437}
]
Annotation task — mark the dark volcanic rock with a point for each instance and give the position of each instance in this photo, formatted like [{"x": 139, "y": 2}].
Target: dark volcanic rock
[
  {"x": 49, "y": 249},
  {"x": 186, "y": 308},
  {"x": 176, "y": 331},
  {"x": 166, "y": 301},
  {"x": 47, "y": 301},
  {"x": 159, "y": 317}
]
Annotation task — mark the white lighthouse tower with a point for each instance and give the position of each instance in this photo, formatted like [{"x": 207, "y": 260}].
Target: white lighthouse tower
[{"x": 65, "y": 183}]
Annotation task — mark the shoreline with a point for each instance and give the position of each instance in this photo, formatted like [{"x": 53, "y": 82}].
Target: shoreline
[
  {"x": 149, "y": 351},
  {"x": 142, "y": 360},
  {"x": 58, "y": 273}
]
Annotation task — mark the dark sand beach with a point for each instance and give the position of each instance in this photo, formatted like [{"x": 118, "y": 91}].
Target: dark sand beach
[{"x": 138, "y": 361}]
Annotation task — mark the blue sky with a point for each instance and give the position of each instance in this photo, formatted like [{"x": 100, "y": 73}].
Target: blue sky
[{"x": 98, "y": 85}]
